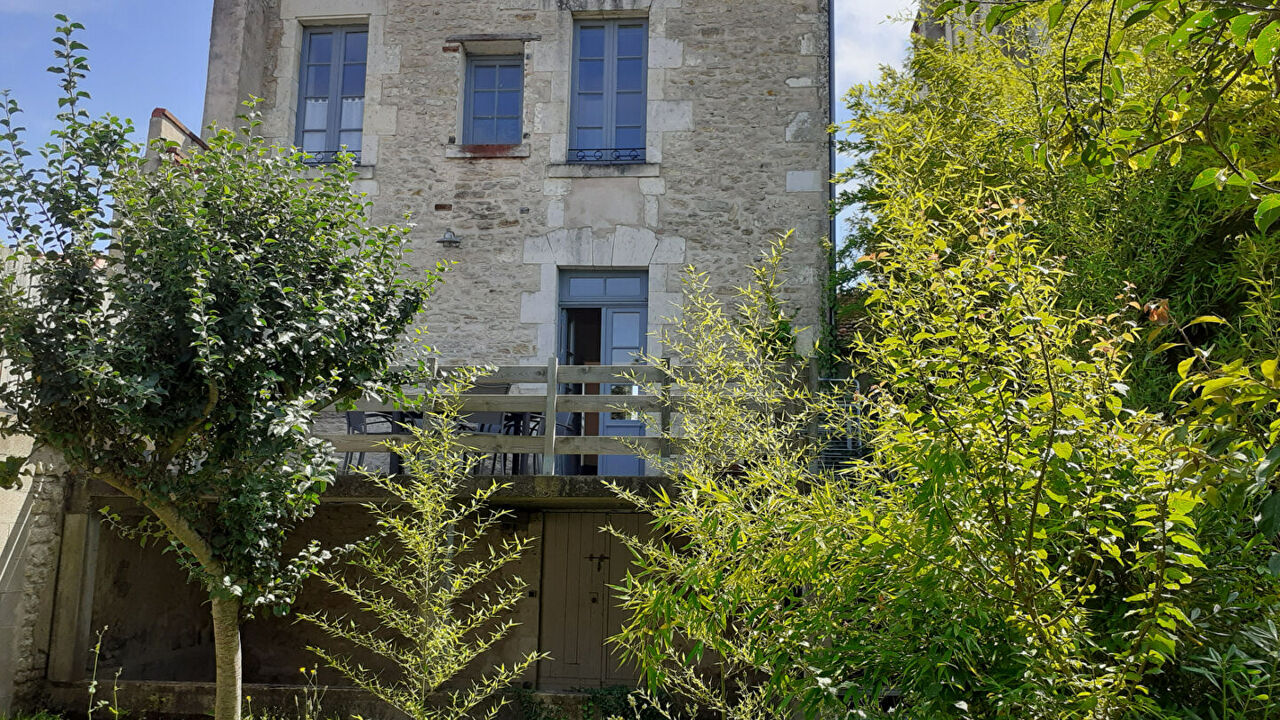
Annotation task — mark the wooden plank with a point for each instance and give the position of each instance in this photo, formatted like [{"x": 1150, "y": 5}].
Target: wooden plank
[
  {"x": 512, "y": 444},
  {"x": 537, "y": 403},
  {"x": 616, "y": 670},
  {"x": 607, "y": 445},
  {"x": 574, "y": 602},
  {"x": 508, "y": 374},
  {"x": 576, "y": 373},
  {"x": 373, "y": 406},
  {"x": 363, "y": 443},
  {"x": 549, "y": 418},
  {"x": 503, "y": 403},
  {"x": 609, "y": 403},
  {"x": 664, "y": 407},
  {"x": 611, "y": 373},
  {"x": 505, "y": 444},
  {"x": 564, "y": 403}
]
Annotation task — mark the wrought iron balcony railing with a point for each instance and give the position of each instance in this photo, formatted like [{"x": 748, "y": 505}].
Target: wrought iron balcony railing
[
  {"x": 328, "y": 157},
  {"x": 606, "y": 155}
]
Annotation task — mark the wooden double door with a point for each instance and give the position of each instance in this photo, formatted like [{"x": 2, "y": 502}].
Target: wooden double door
[{"x": 579, "y": 613}]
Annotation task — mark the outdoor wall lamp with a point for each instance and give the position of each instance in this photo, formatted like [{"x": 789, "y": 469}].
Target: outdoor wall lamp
[{"x": 450, "y": 240}]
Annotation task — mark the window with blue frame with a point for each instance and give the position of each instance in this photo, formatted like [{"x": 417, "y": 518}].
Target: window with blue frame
[
  {"x": 331, "y": 91},
  {"x": 494, "y": 100},
  {"x": 608, "y": 104}
]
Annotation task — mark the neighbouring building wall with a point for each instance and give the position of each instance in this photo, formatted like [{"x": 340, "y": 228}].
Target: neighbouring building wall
[
  {"x": 163, "y": 126},
  {"x": 736, "y": 149},
  {"x": 31, "y": 524}
]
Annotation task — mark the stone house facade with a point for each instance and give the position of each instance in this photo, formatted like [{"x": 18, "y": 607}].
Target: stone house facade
[{"x": 569, "y": 158}]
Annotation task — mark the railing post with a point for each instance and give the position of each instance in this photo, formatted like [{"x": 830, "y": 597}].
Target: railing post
[
  {"x": 664, "y": 414},
  {"x": 549, "y": 420},
  {"x": 815, "y": 384}
]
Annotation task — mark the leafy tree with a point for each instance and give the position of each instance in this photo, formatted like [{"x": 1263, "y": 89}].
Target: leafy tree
[
  {"x": 1220, "y": 97},
  {"x": 426, "y": 584},
  {"x": 181, "y": 328},
  {"x": 1017, "y": 543},
  {"x": 710, "y": 592},
  {"x": 984, "y": 112}
]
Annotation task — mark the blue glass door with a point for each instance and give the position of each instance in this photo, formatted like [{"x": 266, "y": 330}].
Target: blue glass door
[
  {"x": 623, "y": 345},
  {"x": 604, "y": 321}
]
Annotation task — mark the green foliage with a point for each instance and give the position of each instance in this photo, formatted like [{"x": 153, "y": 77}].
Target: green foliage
[
  {"x": 987, "y": 112},
  {"x": 1018, "y": 544},
  {"x": 619, "y": 702},
  {"x": 427, "y": 584},
  {"x": 1023, "y": 540},
  {"x": 1215, "y": 72},
  {"x": 172, "y": 331},
  {"x": 239, "y": 293},
  {"x": 1243, "y": 679},
  {"x": 96, "y": 704},
  {"x": 531, "y": 708},
  {"x": 613, "y": 702},
  {"x": 308, "y": 703},
  {"x": 711, "y": 594},
  {"x": 38, "y": 715}
]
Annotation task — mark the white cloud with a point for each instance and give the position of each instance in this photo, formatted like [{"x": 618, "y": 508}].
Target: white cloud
[{"x": 870, "y": 33}]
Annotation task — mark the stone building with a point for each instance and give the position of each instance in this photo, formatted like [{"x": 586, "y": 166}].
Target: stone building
[{"x": 570, "y": 157}]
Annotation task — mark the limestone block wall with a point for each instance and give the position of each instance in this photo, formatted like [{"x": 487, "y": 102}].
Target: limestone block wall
[
  {"x": 30, "y": 537},
  {"x": 736, "y": 149}
]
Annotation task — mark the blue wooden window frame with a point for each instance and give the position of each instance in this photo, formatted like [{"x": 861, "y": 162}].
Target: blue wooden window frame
[
  {"x": 622, "y": 100},
  {"x": 335, "y": 76},
  {"x": 478, "y": 111}
]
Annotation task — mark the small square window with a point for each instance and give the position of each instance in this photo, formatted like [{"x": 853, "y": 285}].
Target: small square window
[
  {"x": 331, "y": 81},
  {"x": 607, "y": 109},
  {"x": 493, "y": 106}
]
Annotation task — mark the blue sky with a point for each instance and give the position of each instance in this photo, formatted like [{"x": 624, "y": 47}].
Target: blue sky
[
  {"x": 142, "y": 54},
  {"x": 153, "y": 53}
]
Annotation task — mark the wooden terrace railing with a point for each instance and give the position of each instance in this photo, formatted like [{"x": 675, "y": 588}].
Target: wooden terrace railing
[{"x": 551, "y": 442}]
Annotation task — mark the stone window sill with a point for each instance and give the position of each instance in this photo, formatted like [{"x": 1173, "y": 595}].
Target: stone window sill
[
  {"x": 472, "y": 152},
  {"x": 585, "y": 170}
]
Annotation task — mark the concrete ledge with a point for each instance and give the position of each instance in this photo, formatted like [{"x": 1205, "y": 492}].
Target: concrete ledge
[{"x": 588, "y": 170}]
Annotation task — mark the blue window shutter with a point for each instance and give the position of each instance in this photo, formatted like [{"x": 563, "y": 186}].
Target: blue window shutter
[
  {"x": 494, "y": 100},
  {"x": 331, "y": 79},
  {"x": 609, "y": 91}
]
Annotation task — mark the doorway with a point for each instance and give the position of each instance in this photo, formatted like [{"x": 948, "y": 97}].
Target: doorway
[
  {"x": 579, "y": 612},
  {"x": 603, "y": 321}
]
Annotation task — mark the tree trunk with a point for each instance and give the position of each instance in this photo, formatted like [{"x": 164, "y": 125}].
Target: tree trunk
[{"x": 226, "y": 647}]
